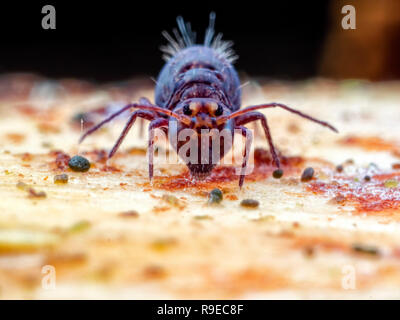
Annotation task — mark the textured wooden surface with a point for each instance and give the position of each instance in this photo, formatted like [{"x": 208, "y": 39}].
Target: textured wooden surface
[{"x": 304, "y": 240}]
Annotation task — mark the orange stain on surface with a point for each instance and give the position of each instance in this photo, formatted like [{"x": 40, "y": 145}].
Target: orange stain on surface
[
  {"x": 228, "y": 176},
  {"x": 367, "y": 197},
  {"x": 371, "y": 143}
]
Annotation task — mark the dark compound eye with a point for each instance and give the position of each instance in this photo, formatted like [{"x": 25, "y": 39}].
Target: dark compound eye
[
  {"x": 219, "y": 111},
  {"x": 187, "y": 110}
]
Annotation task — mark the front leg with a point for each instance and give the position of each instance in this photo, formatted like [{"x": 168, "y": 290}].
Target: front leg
[
  {"x": 254, "y": 116},
  {"x": 249, "y": 138},
  {"x": 158, "y": 123},
  {"x": 145, "y": 114},
  {"x": 146, "y": 102}
]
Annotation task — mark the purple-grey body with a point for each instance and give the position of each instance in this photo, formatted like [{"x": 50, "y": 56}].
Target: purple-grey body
[
  {"x": 195, "y": 72},
  {"x": 199, "y": 89}
]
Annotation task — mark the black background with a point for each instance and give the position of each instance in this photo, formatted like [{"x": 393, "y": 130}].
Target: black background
[{"x": 115, "y": 40}]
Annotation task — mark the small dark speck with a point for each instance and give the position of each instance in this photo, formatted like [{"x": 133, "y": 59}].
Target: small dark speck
[
  {"x": 360, "y": 248},
  {"x": 277, "y": 174},
  {"x": 215, "y": 196},
  {"x": 249, "y": 203},
  {"x": 61, "y": 178},
  {"x": 339, "y": 168},
  {"x": 129, "y": 214},
  {"x": 309, "y": 252},
  {"x": 307, "y": 175},
  {"x": 79, "y": 164}
]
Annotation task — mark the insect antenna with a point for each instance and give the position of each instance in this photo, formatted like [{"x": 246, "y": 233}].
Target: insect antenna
[
  {"x": 223, "y": 119},
  {"x": 184, "y": 119}
]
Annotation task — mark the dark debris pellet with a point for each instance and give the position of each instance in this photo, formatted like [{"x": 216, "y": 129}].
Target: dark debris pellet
[
  {"x": 249, "y": 203},
  {"x": 307, "y": 175},
  {"x": 129, "y": 214},
  {"x": 339, "y": 168},
  {"x": 61, "y": 178},
  {"x": 79, "y": 164},
  {"x": 361, "y": 248},
  {"x": 277, "y": 174},
  {"x": 309, "y": 252},
  {"x": 367, "y": 178},
  {"x": 215, "y": 196}
]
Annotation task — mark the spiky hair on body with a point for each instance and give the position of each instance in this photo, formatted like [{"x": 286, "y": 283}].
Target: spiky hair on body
[{"x": 185, "y": 38}]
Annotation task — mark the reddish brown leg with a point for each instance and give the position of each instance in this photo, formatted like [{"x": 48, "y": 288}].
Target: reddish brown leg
[
  {"x": 152, "y": 126},
  {"x": 152, "y": 108},
  {"x": 241, "y": 112},
  {"x": 249, "y": 139},
  {"x": 253, "y": 116},
  {"x": 145, "y": 102},
  {"x": 108, "y": 119},
  {"x": 148, "y": 115}
]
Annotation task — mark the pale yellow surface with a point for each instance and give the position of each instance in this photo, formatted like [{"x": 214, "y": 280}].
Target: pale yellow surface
[{"x": 194, "y": 250}]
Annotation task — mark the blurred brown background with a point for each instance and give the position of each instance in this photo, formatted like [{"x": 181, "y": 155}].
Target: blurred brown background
[{"x": 372, "y": 50}]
